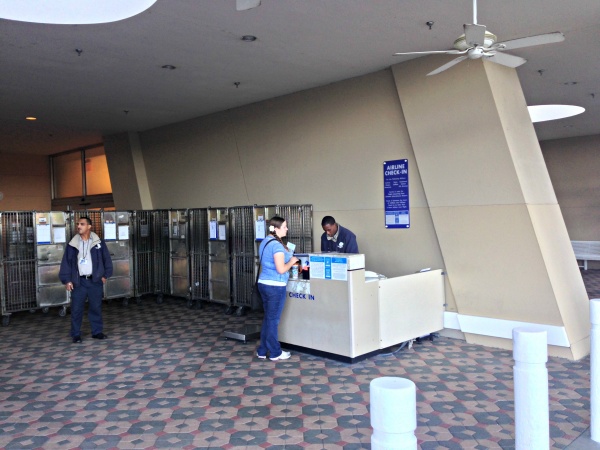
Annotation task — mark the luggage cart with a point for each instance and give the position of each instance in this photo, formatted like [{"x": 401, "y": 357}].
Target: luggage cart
[
  {"x": 218, "y": 257},
  {"x": 299, "y": 220},
  {"x": 161, "y": 253},
  {"x": 143, "y": 254},
  {"x": 117, "y": 229},
  {"x": 243, "y": 263},
  {"x": 94, "y": 215},
  {"x": 257, "y": 231},
  {"x": 179, "y": 255},
  {"x": 17, "y": 253},
  {"x": 52, "y": 235},
  {"x": 199, "y": 255}
]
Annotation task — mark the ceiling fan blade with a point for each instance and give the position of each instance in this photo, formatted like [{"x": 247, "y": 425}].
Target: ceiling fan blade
[
  {"x": 540, "y": 39},
  {"x": 243, "y": 5},
  {"x": 447, "y": 65},
  {"x": 474, "y": 34},
  {"x": 506, "y": 60},
  {"x": 448, "y": 52}
]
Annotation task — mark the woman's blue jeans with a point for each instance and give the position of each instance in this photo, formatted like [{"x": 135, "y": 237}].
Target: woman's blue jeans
[{"x": 273, "y": 298}]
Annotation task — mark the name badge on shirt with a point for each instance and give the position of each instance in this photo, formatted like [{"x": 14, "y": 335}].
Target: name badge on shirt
[{"x": 83, "y": 261}]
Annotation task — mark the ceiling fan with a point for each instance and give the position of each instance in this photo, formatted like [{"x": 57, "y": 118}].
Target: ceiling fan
[
  {"x": 243, "y": 5},
  {"x": 477, "y": 43}
]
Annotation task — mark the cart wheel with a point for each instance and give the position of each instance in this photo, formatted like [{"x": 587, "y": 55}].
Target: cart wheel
[
  {"x": 125, "y": 302},
  {"x": 230, "y": 310},
  {"x": 159, "y": 299},
  {"x": 241, "y": 311},
  {"x": 45, "y": 310},
  {"x": 5, "y": 321},
  {"x": 138, "y": 300},
  {"x": 63, "y": 311},
  {"x": 31, "y": 311},
  {"x": 190, "y": 304}
]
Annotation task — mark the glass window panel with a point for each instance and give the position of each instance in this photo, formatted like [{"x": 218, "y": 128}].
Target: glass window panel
[
  {"x": 67, "y": 175},
  {"x": 97, "y": 179}
]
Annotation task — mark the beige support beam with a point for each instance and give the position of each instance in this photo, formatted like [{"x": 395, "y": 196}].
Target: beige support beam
[
  {"x": 140, "y": 170},
  {"x": 127, "y": 171},
  {"x": 499, "y": 226}
]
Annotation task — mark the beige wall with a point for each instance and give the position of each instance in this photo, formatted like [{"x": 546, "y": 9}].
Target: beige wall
[
  {"x": 574, "y": 167},
  {"x": 324, "y": 147},
  {"x": 484, "y": 194},
  {"x": 25, "y": 182}
]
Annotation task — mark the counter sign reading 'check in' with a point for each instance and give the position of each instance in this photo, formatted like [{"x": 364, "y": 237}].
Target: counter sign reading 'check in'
[{"x": 395, "y": 194}]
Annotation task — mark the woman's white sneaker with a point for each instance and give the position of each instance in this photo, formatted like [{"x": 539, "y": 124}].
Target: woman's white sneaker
[{"x": 284, "y": 355}]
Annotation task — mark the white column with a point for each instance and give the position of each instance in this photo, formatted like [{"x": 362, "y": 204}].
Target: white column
[
  {"x": 532, "y": 417},
  {"x": 595, "y": 369},
  {"x": 393, "y": 414}
]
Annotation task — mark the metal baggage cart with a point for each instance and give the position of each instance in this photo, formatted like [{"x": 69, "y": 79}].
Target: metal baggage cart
[
  {"x": 199, "y": 255},
  {"x": 218, "y": 257},
  {"x": 161, "y": 253},
  {"x": 117, "y": 229},
  {"x": 143, "y": 254},
  {"x": 95, "y": 216},
  {"x": 179, "y": 256},
  {"x": 243, "y": 263},
  {"x": 17, "y": 253},
  {"x": 299, "y": 221},
  {"x": 52, "y": 235}
]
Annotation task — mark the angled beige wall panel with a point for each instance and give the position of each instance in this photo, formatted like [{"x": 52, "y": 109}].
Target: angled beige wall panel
[
  {"x": 499, "y": 226},
  {"x": 121, "y": 167}
]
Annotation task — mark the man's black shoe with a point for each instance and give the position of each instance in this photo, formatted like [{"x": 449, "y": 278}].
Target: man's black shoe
[
  {"x": 77, "y": 340},
  {"x": 99, "y": 336}
]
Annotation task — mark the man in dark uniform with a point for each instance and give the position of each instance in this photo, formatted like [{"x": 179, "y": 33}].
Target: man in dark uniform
[
  {"x": 85, "y": 266},
  {"x": 336, "y": 238}
]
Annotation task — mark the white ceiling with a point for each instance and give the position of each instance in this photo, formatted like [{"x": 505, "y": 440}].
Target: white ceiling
[{"x": 117, "y": 84}]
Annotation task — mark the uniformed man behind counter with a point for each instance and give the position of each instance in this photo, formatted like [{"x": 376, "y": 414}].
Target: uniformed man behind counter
[{"x": 336, "y": 238}]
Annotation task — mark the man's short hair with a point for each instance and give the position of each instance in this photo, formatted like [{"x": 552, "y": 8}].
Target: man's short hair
[
  {"x": 87, "y": 219},
  {"x": 327, "y": 220}
]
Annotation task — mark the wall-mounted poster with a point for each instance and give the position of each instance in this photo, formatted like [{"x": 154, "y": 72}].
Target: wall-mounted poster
[{"x": 395, "y": 194}]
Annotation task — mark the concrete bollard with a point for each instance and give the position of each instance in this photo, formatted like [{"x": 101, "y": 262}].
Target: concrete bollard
[
  {"x": 532, "y": 416},
  {"x": 595, "y": 370},
  {"x": 393, "y": 413}
]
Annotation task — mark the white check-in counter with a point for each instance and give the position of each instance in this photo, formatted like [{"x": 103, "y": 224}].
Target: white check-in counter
[{"x": 341, "y": 314}]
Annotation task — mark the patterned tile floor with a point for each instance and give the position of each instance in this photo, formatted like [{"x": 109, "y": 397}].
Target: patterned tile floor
[{"x": 167, "y": 379}]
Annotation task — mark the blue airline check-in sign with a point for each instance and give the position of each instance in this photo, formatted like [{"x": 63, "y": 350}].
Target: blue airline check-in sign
[{"x": 395, "y": 194}]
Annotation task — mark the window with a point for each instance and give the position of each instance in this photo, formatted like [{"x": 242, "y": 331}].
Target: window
[{"x": 80, "y": 179}]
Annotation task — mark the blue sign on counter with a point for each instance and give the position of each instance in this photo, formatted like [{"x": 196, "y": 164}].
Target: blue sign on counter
[
  {"x": 328, "y": 268},
  {"x": 395, "y": 194}
]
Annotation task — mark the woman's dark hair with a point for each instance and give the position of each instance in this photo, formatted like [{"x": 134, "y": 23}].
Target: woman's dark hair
[{"x": 276, "y": 222}]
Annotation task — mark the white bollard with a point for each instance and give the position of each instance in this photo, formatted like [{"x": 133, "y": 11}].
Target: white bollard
[
  {"x": 393, "y": 413},
  {"x": 595, "y": 369},
  {"x": 532, "y": 417}
]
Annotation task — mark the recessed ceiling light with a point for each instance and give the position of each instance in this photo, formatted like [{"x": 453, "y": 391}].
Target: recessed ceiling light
[
  {"x": 248, "y": 38},
  {"x": 570, "y": 83},
  {"x": 30, "y": 118},
  {"x": 542, "y": 113},
  {"x": 73, "y": 12},
  {"x": 168, "y": 66}
]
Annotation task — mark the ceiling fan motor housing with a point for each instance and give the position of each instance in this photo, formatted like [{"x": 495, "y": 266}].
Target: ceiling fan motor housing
[{"x": 488, "y": 41}]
